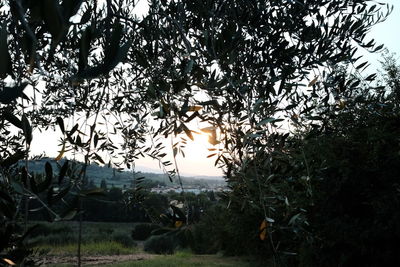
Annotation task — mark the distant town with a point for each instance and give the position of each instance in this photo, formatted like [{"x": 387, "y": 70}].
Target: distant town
[{"x": 189, "y": 189}]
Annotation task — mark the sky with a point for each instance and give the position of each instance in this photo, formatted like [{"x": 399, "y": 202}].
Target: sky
[
  {"x": 195, "y": 162},
  {"x": 387, "y": 33}
]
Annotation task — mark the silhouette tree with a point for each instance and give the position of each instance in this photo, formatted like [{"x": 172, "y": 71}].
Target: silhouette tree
[{"x": 242, "y": 66}]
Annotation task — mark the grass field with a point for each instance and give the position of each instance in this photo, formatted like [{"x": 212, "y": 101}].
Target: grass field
[
  {"x": 93, "y": 248},
  {"x": 64, "y": 235},
  {"x": 186, "y": 259},
  {"x": 111, "y": 245},
  {"x": 180, "y": 259}
]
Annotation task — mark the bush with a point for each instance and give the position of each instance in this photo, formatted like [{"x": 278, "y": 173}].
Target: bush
[
  {"x": 124, "y": 240},
  {"x": 161, "y": 244},
  {"x": 142, "y": 231},
  {"x": 105, "y": 230},
  {"x": 356, "y": 215},
  {"x": 52, "y": 234},
  {"x": 204, "y": 239},
  {"x": 55, "y": 239},
  {"x": 182, "y": 237},
  {"x": 44, "y": 230},
  {"x": 92, "y": 248},
  {"x": 201, "y": 242},
  {"x": 331, "y": 190}
]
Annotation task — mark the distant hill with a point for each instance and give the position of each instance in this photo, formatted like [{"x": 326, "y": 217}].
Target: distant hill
[{"x": 114, "y": 177}]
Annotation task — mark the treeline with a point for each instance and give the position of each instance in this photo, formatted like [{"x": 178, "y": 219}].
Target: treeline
[
  {"x": 95, "y": 174},
  {"x": 118, "y": 205}
]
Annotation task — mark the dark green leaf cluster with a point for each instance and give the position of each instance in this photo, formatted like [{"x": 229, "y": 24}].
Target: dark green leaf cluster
[{"x": 329, "y": 193}]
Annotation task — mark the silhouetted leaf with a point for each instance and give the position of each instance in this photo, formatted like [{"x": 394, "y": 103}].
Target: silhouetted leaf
[
  {"x": 362, "y": 65},
  {"x": 86, "y": 16},
  {"x": 49, "y": 195},
  {"x": 9, "y": 94},
  {"x": 5, "y": 63},
  {"x": 314, "y": 81},
  {"x": 93, "y": 192},
  {"x": 59, "y": 195},
  {"x": 18, "y": 155},
  {"x": 13, "y": 119},
  {"x": 84, "y": 46},
  {"x": 78, "y": 141},
  {"x": 60, "y": 122},
  {"x": 114, "y": 54},
  {"x": 268, "y": 120},
  {"x": 70, "y": 7},
  {"x": 95, "y": 140},
  {"x": 63, "y": 172},
  {"x": 27, "y": 129},
  {"x": 379, "y": 47},
  {"x": 187, "y": 132},
  {"x": 48, "y": 178},
  {"x": 99, "y": 158},
  {"x": 53, "y": 19},
  {"x": 33, "y": 185},
  {"x": 69, "y": 215},
  {"x": 73, "y": 130}
]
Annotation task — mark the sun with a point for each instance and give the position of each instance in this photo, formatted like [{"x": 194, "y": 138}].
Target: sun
[
  {"x": 198, "y": 147},
  {"x": 197, "y": 156},
  {"x": 201, "y": 139}
]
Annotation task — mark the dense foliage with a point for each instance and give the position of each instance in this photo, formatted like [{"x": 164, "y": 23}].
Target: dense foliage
[
  {"x": 356, "y": 180},
  {"x": 160, "y": 244},
  {"x": 333, "y": 194}
]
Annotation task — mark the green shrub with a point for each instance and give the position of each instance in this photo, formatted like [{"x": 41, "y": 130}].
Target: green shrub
[
  {"x": 182, "y": 237},
  {"x": 356, "y": 215},
  {"x": 97, "y": 248},
  {"x": 213, "y": 233},
  {"x": 56, "y": 239},
  {"x": 200, "y": 240},
  {"x": 161, "y": 244},
  {"x": 329, "y": 191},
  {"x": 45, "y": 229},
  {"x": 124, "y": 240},
  {"x": 142, "y": 231},
  {"x": 161, "y": 231},
  {"x": 105, "y": 230}
]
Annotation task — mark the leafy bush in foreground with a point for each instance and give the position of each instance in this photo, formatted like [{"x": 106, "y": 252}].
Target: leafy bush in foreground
[
  {"x": 356, "y": 216},
  {"x": 124, "y": 240},
  {"x": 161, "y": 244},
  {"x": 328, "y": 194},
  {"x": 211, "y": 234},
  {"x": 142, "y": 231}
]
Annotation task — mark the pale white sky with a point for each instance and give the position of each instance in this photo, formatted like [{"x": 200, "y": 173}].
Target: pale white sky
[
  {"x": 387, "y": 33},
  {"x": 196, "y": 161}
]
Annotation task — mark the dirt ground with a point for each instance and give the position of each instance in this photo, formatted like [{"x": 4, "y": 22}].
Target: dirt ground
[{"x": 94, "y": 260}]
